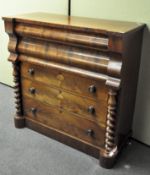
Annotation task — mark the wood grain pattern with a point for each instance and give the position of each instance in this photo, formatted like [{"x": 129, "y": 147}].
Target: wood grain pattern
[
  {"x": 82, "y": 23},
  {"x": 64, "y": 121},
  {"x": 73, "y": 56},
  {"x": 78, "y": 78},
  {"x": 67, "y": 81},
  {"x": 67, "y": 101},
  {"x": 89, "y": 40}
]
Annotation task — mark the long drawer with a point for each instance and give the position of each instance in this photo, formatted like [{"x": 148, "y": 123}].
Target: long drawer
[
  {"x": 58, "y": 119},
  {"x": 81, "y": 106},
  {"x": 88, "y": 87}
]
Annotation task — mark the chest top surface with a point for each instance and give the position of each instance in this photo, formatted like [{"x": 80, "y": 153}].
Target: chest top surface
[{"x": 77, "y": 22}]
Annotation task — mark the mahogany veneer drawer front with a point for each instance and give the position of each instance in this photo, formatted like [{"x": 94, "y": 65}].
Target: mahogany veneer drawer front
[
  {"x": 64, "y": 121},
  {"x": 78, "y": 105},
  {"x": 75, "y": 79},
  {"x": 81, "y": 84}
]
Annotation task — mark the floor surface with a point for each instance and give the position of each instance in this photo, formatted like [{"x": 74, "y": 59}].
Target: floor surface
[{"x": 25, "y": 152}]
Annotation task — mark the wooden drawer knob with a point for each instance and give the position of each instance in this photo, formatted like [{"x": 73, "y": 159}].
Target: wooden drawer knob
[
  {"x": 89, "y": 132},
  {"x": 31, "y": 71},
  {"x": 92, "y": 89},
  {"x": 32, "y": 90},
  {"x": 91, "y": 109},
  {"x": 33, "y": 110}
]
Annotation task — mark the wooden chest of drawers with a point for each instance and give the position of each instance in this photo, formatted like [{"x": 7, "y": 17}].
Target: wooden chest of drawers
[{"x": 75, "y": 79}]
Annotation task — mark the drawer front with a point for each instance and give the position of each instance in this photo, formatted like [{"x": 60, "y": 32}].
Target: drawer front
[
  {"x": 71, "y": 82},
  {"x": 63, "y": 121},
  {"x": 80, "y": 106}
]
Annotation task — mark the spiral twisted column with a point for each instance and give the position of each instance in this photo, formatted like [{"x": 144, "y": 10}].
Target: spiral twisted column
[
  {"x": 111, "y": 122},
  {"x": 16, "y": 75},
  {"x": 19, "y": 119},
  {"x": 109, "y": 154}
]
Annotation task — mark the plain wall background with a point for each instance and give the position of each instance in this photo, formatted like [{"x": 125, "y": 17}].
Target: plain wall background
[{"x": 128, "y": 10}]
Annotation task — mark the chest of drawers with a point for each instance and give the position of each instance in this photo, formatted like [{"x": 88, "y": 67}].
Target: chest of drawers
[{"x": 75, "y": 79}]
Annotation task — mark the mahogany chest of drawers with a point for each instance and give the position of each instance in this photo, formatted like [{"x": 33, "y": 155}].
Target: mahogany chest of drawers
[{"x": 75, "y": 79}]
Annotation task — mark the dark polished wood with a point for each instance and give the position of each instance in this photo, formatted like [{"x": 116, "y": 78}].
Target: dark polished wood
[
  {"x": 64, "y": 121},
  {"x": 71, "y": 82},
  {"x": 75, "y": 79},
  {"x": 79, "y": 105}
]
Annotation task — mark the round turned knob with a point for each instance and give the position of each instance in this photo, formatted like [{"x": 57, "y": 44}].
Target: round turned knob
[
  {"x": 91, "y": 109},
  {"x": 89, "y": 132},
  {"x": 31, "y": 71},
  {"x": 92, "y": 89},
  {"x": 33, "y": 110},
  {"x": 32, "y": 90}
]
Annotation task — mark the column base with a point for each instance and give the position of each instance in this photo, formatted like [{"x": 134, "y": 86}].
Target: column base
[
  {"x": 19, "y": 122},
  {"x": 107, "y": 160}
]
